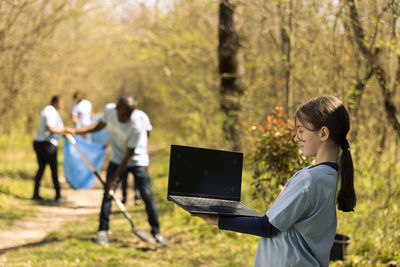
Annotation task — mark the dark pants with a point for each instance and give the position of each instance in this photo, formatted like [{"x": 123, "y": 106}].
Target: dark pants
[
  {"x": 124, "y": 185},
  {"x": 46, "y": 153},
  {"x": 142, "y": 181}
]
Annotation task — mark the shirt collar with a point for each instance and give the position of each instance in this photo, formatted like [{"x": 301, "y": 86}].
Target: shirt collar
[{"x": 330, "y": 164}]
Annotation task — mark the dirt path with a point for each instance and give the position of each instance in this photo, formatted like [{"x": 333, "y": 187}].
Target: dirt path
[{"x": 50, "y": 216}]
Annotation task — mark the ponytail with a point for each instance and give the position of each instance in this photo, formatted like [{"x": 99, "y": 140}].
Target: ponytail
[{"x": 346, "y": 198}]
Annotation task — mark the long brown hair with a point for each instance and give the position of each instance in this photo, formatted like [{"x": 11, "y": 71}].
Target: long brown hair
[{"x": 329, "y": 111}]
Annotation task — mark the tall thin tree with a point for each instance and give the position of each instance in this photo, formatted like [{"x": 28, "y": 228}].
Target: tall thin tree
[{"x": 231, "y": 72}]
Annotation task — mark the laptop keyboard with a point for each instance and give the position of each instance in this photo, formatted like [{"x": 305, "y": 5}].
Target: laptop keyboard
[{"x": 211, "y": 204}]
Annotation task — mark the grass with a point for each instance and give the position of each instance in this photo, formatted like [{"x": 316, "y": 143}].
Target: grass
[
  {"x": 190, "y": 245},
  {"x": 373, "y": 228},
  {"x": 193, "y": 242},
  {"x": 16, "y": 169}
]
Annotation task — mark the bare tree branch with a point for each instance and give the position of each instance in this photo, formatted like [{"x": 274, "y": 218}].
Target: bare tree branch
[{"x": 373, "y": 65}]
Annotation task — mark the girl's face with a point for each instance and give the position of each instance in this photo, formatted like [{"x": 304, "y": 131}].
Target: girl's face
[{"x": 308, "y": 140}]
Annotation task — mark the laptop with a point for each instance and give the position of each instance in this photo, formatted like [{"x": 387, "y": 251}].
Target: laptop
[{"x": 207, "y": 181}]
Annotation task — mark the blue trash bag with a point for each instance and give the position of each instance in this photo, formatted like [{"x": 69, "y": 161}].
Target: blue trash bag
[
  {"x": 100, "y": 137},
  {"x": 76, "y": 171}
]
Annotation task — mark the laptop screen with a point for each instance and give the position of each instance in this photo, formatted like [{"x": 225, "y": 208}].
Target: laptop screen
[{"x": 201, "y": 172}]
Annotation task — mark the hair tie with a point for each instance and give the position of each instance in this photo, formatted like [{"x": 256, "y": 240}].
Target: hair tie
[{"x": 345, "y": 145}]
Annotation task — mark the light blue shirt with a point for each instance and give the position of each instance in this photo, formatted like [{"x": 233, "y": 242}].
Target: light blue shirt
[
  {"x": 125, "y": 135},
  {"x": 305, "y": 213},
  {"x": 49, "y": 117}
]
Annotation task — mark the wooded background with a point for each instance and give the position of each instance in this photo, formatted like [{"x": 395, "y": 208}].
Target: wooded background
[
  {"x": 170, "y": 56},
  {"x": 166, "y": 54}
]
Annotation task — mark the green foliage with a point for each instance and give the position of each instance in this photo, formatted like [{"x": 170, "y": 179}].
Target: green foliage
[{"x": 273, "y": 154}]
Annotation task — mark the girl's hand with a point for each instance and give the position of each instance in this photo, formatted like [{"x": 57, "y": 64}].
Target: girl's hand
[{"x": 211, "y": 219}]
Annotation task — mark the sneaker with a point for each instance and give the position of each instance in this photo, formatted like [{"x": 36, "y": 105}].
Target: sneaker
[
  {"x": 160, "y": 239},
  {"x": 102, "y": 238},
  {"x": 123, "y": 200}
]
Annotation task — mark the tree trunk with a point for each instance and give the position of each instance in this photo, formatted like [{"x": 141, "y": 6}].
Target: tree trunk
[
  {"x": 231, "y": 71},
  {"x": 371, "y": 56},
  {"x": 287, "y": 45}
]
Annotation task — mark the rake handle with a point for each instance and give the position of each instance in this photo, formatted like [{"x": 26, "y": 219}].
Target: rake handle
[{"x": 72, "y": 140}]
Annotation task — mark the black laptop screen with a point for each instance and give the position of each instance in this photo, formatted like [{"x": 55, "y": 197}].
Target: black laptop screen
[{"x": 205, "y": 172}]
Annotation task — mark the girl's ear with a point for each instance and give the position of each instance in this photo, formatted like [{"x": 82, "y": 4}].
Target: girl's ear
[{"x": 324, "y": 133}]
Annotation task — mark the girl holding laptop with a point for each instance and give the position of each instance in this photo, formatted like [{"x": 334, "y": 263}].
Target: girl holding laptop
[{"x": 299, "y": 228}]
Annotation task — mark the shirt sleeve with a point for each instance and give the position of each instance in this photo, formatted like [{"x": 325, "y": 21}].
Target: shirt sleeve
[
  {"x": 104, "y": 117},
  {"x": 259, "y": 226},
  {"x": 90, "y": 108},
  {"x": 143, "y": 120},
  {"x": 74, "y": 109},
  {"x": 149, "y": 127},
  {"x": 51, "y": 118},
  {"x": 291, "y": 204}
]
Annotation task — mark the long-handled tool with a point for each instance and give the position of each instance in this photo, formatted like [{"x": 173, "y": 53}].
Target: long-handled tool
[{"x": 139, "y": 233}]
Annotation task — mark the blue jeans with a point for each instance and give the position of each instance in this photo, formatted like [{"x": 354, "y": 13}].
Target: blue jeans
[{"x": 142, "y": 181}]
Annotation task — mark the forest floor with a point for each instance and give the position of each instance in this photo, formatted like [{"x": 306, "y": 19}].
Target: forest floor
[{"x": 50, "y": 215}]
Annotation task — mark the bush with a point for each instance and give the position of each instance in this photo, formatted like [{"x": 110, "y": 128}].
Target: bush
[{"x": 274, "y": 155}]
